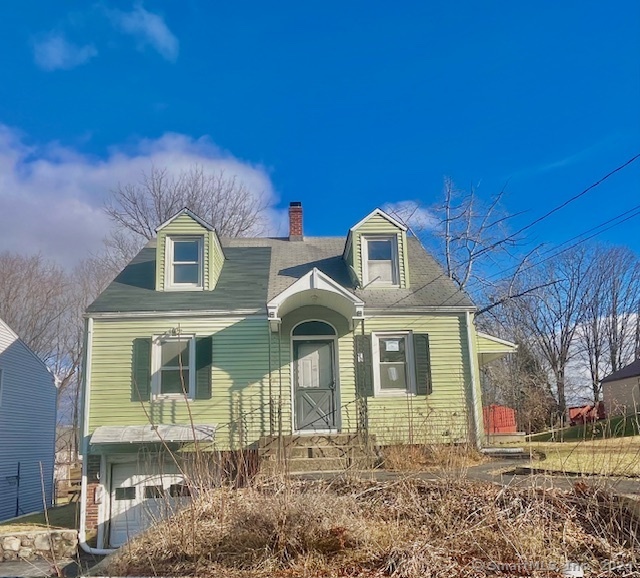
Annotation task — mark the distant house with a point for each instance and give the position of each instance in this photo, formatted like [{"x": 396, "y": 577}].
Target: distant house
[
  {"x": 27, "y": 427},
  {"x": 582, "y": 414},
  {"x": 66, "y": 453},
  {"x": 621, "y": 390}
]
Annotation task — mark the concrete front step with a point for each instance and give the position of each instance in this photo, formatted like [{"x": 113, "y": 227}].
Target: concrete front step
[
  {"x": 315, "y": 451},
  {"x": 308, "y": 440},
  {"x": 509, "y": 453},
  {"x": 301, "y": 465}
]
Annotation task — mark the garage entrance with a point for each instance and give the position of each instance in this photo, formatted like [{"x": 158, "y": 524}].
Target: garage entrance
[{"x": 141, "y": 494}]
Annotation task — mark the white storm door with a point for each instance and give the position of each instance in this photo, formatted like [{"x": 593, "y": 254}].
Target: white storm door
[{"x": 314, "y": 385}]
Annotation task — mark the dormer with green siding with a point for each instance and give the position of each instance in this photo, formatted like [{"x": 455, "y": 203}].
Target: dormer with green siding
[
  {"x": 189, "y": 256},
  {"x": 376, "y": 252}
]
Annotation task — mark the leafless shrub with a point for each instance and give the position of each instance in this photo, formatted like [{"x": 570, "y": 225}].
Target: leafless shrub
[{"x": 404, "y": 528}]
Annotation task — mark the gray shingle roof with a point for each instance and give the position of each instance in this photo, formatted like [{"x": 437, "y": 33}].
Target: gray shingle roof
[
  {"x": 631, "y": 370},
  {"x": 256, "y": 270}
]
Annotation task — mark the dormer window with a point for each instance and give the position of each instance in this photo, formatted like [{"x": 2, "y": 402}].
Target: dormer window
[
  {"x": 380, "y": 260},
  {"x": 184, "y": 263}
]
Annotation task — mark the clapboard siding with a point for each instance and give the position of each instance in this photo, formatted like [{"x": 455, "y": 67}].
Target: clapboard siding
[
  {"x": 444, "y": 413},
  {"x": 216, "y": 261},
  {"x": 378, "y": 225},
  {"x": 213, "y": 257},
  {"x": 240, "y": 376},
  {"x": 251, "y": 377},
  {"x": 27, "y": 427}
]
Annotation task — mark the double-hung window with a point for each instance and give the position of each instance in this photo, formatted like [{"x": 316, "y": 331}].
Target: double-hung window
[
  {"x": 173, "y": 362},
  {"x": 380, "y": 258},
  {"x": 184, "y": 262},
  {"x": 393, "y": 365}
]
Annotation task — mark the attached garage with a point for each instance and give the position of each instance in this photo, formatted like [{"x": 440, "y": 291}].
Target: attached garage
[
  {"x": 140, "y": 482},
  {"x": 142, "y": 494}
]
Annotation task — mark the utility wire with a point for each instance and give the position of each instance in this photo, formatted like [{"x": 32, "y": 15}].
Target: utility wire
[
  {"x": 557, "y": 254},
  {"x": 559, "y": 207},
  {"x": 635, "y": 210},
  {"x": 526, "y": 227}
]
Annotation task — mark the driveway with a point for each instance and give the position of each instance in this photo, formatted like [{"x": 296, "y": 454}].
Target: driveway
[{"x": 505, "y": 472}]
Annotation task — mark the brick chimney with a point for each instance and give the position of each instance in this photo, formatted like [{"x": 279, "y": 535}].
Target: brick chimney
[{"x": 295, "y": 221}]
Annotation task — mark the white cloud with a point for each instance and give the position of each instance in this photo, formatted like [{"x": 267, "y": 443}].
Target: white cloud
[
  {"x": 54, "y": 52},
  {"x": 149, "y": 29},
  {"x": 412, "y": 214},
  {"x": 51, "y": 197}
]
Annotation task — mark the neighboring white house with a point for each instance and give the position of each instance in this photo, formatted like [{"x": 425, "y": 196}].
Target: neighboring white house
[
  {"x": 27, "y": 427},
  {"x": 621, "y": 390}
]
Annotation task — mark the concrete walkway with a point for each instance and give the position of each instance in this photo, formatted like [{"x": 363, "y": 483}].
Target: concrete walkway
[
  {"x": 41, "y": 568},
  {"x": 26, "y": 568},
  {"x": 515, "y": 473},
  {"x": 505, "y": 472}
]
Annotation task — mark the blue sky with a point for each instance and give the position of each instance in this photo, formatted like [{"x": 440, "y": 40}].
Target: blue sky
[{"x": 344, "y": 106}]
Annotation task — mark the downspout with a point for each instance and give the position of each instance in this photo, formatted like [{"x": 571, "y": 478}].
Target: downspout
[
  {"x": 271, "y": 409},
  {"x": 477, "y": 433},
  {"x": 82, "y": 532}
]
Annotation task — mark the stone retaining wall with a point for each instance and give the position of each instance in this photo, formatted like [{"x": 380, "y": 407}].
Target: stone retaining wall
[{"x": 29, "y": 545}]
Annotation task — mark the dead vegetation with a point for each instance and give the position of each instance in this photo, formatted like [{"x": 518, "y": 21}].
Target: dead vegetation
[
  {"x": 450, "y": 458},
  {"x": 403, "y": 528}
]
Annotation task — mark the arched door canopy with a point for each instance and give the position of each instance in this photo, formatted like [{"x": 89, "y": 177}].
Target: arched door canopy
[{"x": 315, "y": 288}]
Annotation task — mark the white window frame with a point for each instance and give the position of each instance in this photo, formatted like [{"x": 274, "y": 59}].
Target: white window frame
[
  {"x": 395, "y": 265},
  {"x": 156, "y": 365},
  {"x": 170, "y": 283},
  {"x": 409, "y": 361}
]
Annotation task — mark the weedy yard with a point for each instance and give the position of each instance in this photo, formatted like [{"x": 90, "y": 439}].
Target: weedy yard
[
  {"x": 405, "y": 528},
  {"x": 602, "y": 457}
]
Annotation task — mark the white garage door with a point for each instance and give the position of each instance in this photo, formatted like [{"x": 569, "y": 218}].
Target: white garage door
[{"x": 142, "y": 494}]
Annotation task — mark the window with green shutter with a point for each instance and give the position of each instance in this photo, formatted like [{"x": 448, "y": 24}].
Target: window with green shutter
[
  {"x": 166, "y": 367},
  {"x": 400, "y": 363}
]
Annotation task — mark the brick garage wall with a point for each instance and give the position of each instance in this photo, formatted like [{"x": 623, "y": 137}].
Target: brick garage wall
[{"x": 93, "y": 471}]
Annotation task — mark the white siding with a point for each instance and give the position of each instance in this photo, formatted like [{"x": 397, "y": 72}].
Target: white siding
[{"x": 27, "y": 427}]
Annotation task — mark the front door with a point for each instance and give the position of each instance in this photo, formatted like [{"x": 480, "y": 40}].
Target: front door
[{"x": 314, "y": 385}]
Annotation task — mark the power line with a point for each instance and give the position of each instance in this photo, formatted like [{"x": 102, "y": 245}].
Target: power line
[
  {"x": 526, "y": 227},
  {"x": 559, "y": 207},
  {"x": 635, "y": 210},
  {"x": 557, "y": 254}
]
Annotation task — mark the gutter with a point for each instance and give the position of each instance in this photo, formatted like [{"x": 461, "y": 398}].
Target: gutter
[
  {"x": 82, "y": 532},
  {"x": 477, "y": 433}
]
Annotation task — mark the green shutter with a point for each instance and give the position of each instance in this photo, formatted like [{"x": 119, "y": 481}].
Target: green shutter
[
  {"x": 364, "y": 367},
  {"x": 204, "y": 348},
  {"x": 423, "y": 363},
  {"x": 141, "y": 370}
]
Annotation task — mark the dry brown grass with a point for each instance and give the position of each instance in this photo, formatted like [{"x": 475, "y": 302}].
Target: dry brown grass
[
  {"x": 442, "y": 457},
  {"x": 404, "y": 528},
  {"x": 606, "y": 457}
]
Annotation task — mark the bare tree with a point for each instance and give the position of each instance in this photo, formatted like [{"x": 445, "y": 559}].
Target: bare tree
[
  {"x": 44, "y": 305},
  {"x": 622, "y": 305},
  {"x": 551, "y": 315},
  {"x": 34, "y": 300},
  {"x": 607, "y": 337},
  {"x": 469, "y": 237},
  {"x": 223, "y": 200},
  {"x": 521, "y": 382},
  {"x": 472, "y": 233}
]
